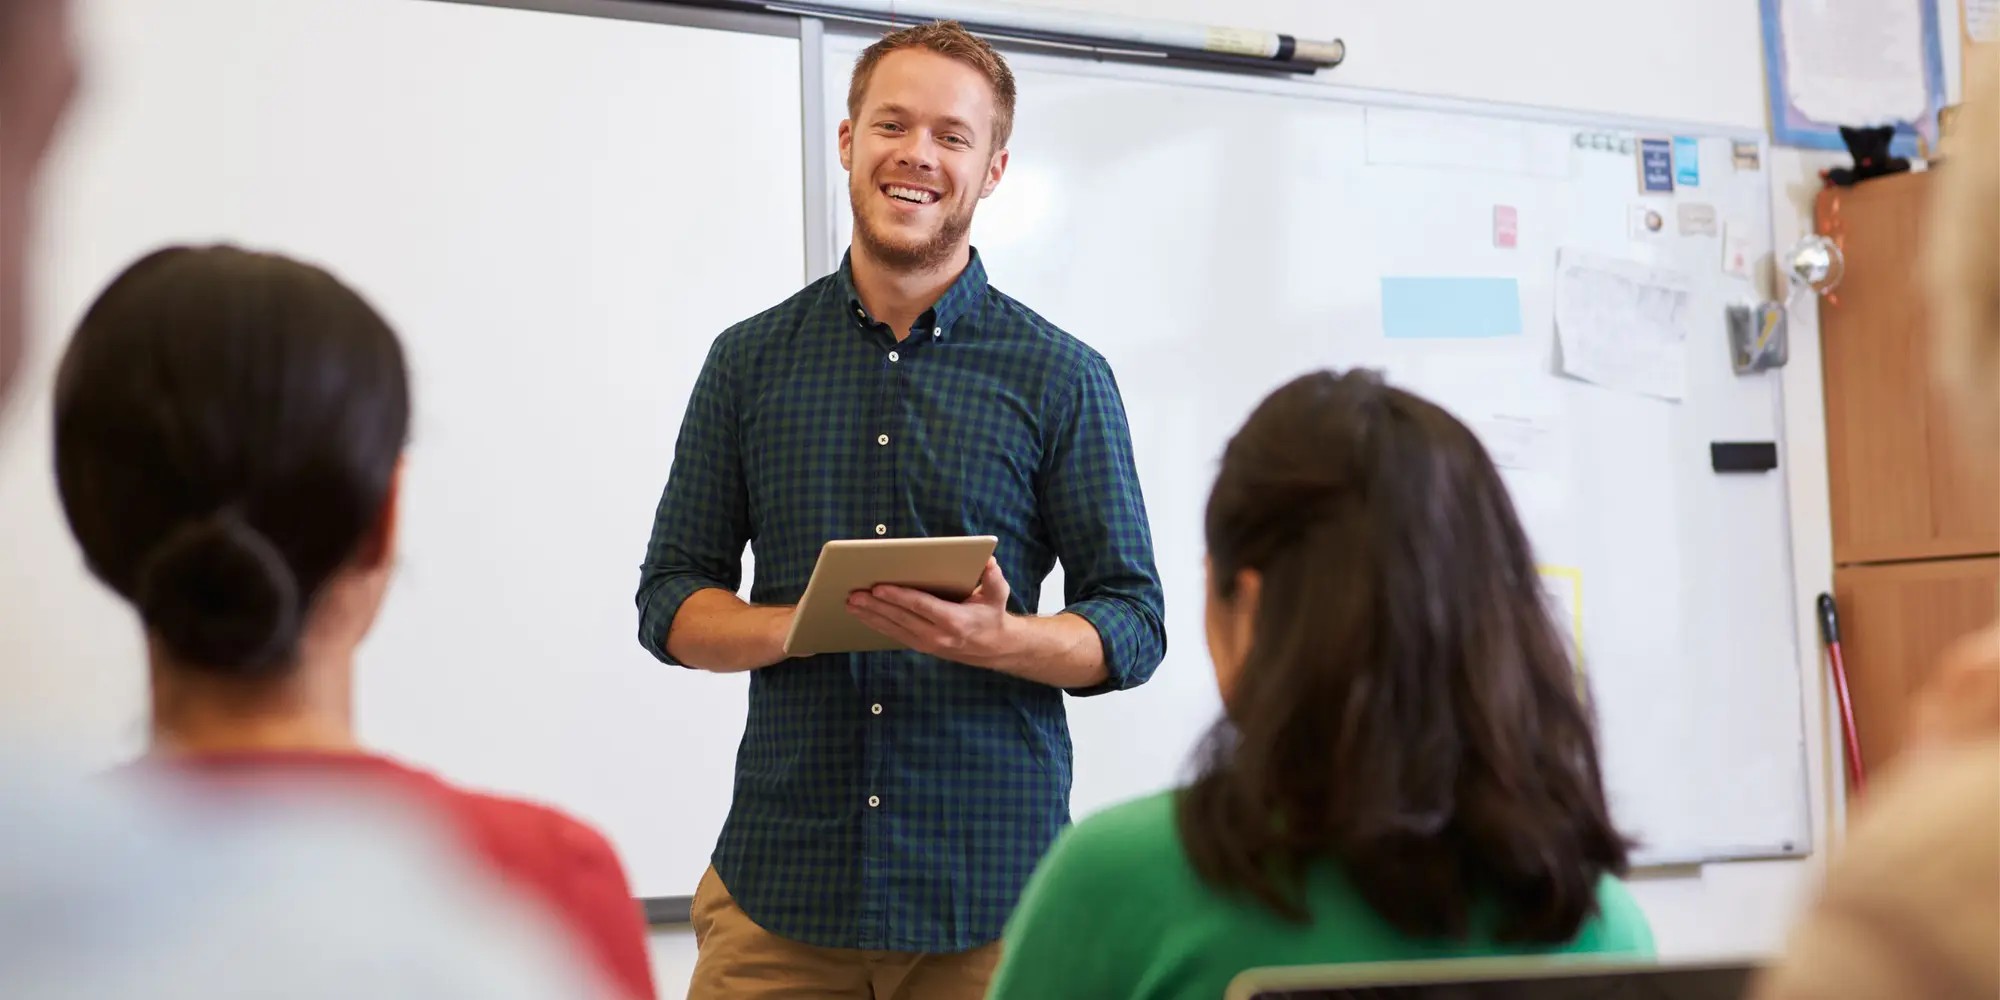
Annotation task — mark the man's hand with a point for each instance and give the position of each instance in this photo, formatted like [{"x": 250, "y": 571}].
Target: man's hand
[{"x": 977, "y": 632}]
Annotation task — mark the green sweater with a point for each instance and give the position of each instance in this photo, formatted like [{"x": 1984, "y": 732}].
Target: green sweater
[{"x": 1116, "y": 910}]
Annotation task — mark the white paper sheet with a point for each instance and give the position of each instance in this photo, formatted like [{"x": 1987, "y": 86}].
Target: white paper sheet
[
  {"x": 1526, "y": 441},
  {"x": 1855, "y": 62},
  {"x": 1982, "y": 20},
  {"x": 1519, "y": 415},
  {"x": 1623, "y": 325}
]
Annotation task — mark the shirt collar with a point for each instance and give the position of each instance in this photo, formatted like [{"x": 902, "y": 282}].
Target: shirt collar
[{"x": 961, "y": 298}]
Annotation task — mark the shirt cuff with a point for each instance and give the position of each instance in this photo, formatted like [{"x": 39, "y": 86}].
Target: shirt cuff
[
  {"x": 658, "y": 608},
  {"x": 1133, "y": 643}
]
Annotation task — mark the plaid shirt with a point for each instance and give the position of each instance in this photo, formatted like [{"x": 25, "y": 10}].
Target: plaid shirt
[{"x": 896, "y": 801}]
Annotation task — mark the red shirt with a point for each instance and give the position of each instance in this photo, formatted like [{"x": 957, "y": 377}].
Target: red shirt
[{"x": 553, "y": 858}]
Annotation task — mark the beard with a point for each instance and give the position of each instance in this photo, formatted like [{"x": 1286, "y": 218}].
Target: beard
[{"x": 922, "y": 254}]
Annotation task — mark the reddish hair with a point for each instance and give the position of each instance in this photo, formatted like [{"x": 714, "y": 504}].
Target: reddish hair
[{"x": 951, "y": 40}]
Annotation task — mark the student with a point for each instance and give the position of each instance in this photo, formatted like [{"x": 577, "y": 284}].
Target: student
[
  {"x": 1911, "y": 905},
  {"x": 117, "y": 889},
  {"x": 229, "y": 431},
  {"x": 1406, "y": 770}
]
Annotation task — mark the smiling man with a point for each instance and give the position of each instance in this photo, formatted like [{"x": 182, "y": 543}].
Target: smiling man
[{"x": 890, "y": 806}]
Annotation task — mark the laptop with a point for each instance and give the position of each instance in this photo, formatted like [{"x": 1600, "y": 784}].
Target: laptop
[{"x": 1553, "y": 977}]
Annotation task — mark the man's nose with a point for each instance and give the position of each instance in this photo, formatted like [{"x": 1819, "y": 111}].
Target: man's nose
[{"x": 918, "y": 151}]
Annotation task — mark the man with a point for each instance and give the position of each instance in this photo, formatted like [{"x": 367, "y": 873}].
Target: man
[
  {"x": 116, "y": 888},
  {"x": 889, "y": 807}
]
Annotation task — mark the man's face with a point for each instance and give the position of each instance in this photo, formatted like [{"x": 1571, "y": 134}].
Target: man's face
[
  {"x": 919, "y": 155},
  {"x": 37, "y": 78}
]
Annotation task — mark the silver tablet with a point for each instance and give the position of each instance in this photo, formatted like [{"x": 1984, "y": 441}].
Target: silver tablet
[{"x": 946, "y": 567}]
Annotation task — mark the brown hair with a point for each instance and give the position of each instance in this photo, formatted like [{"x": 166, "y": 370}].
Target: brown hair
[
  {"x": 951, "y": 40},
  {"x": 1407, "y": 709}
]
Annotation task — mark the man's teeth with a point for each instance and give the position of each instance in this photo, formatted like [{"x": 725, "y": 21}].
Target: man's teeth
[{"x": 916, "y": 195}]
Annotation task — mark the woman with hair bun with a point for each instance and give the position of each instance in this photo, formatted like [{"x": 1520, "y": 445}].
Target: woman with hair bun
[{"x": 229, "y": 432}]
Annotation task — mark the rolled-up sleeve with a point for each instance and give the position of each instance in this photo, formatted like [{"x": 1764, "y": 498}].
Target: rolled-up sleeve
[
  {"x": 703, "y": 520},
  {"x": 1097, "y": 515}
]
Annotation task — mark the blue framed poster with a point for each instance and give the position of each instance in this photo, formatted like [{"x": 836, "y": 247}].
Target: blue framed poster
[{"x": 1829, "y": 63}]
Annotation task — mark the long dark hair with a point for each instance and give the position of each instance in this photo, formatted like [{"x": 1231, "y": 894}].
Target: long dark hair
[
  {"x": 1407, "y": 708},
  {"x": 227, "y": 429}
]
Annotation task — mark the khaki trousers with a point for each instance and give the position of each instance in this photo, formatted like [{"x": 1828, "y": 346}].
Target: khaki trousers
[{"x": 738, "y": 959}]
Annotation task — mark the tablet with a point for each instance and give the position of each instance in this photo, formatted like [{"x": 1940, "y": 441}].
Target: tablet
[{"x": 947, "y": 567}]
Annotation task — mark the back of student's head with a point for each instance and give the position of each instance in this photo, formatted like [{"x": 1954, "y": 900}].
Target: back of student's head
[
  {"x": 1402, "y": 704},
  {"x": 228, "y": 427}
]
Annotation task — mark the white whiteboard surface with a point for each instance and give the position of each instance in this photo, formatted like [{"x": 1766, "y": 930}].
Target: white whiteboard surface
[
  {"x": 1214, "y": 237},
  {"x": 558, "y": 213}
]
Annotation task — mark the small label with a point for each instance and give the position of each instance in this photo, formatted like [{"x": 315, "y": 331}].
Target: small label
[
  {"x": 1242, "y": 42},
  {"x": 1656, "y": 166},
  {"x": 1506, "y": 227},
  {"x": 1687, "y": 162},
  {"x": 1696, "y": 219},
  {"x": 1735, "y": 250},
  {"x": 1745, "y": 155}
]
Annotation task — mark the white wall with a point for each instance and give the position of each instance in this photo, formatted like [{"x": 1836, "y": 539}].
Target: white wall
[{"x": 1699, "y": 62}]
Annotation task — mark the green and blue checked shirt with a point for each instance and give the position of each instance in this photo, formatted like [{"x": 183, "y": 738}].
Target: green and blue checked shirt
[{"x": 896, "y": 801}]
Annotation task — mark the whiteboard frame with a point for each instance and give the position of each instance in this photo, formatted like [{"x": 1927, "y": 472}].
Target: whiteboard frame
[{"x": 1309, "y": 88}]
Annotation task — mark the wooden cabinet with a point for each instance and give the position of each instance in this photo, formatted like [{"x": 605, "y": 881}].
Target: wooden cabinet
[
  {"x": 1916, "y": 517},
  {"x": 1901, "y": 486},
  {"x": 1896, "y": 619}
]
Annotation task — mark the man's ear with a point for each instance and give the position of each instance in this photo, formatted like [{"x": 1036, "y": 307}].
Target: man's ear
[
  {"x": 846, "y": 144},
  {"x": 380, "y": 546},
  {"x": 994, "y": 171}
]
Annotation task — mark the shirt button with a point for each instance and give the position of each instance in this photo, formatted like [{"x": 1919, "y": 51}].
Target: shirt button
[
  {"x": 893, "y": 356},
  {"x": 882, "y": 439},
  {"x": 936, "y": 332},
  {"x": 875, "y": 709},
  {"x": 873, "y": 802},
  {"x": 881, "y": 529}
]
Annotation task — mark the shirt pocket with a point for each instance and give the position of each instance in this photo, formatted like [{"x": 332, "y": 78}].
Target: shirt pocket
[
  {"x": 979, "y": 473},
  {"x": 803, "y": 458}
]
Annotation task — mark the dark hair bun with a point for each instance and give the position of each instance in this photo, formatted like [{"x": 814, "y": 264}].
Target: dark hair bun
[{"x": 221, "y": 597}]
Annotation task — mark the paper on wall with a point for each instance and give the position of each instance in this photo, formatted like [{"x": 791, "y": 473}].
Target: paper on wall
[
  {"x": 1519, "y": 416},
  {"x": 1623, "y": 325},
  {"x": 1855, "y": 63},
  {"x": 1982, "y": 20},
  {"x": 1736, "y": 250}
]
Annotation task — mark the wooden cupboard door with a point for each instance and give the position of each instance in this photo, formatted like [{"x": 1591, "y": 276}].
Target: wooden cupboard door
[
  {"x": 1902, "y": 488},
  {"x": 1895, "y": 622}
]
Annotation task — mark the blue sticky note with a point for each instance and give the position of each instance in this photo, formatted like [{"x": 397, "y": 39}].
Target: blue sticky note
[
  {"x": 1687, "y": 162},
  {"x": 1656, "y": 166},
  {"x": 1450, "y": 308}
]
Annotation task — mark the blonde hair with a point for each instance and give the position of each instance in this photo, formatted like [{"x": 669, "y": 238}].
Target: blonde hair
[{"x": 1962, "y": 256}]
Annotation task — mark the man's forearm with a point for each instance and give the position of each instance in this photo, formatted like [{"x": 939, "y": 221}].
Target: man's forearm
[
  {"x": 715, "y": 630},
  {"x": 1062, "y": 651}
]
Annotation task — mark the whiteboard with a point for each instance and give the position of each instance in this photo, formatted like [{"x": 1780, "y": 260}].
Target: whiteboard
[
  {"x": 1215, "y": 236},
  {"x": 557, "y": 218}
]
